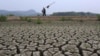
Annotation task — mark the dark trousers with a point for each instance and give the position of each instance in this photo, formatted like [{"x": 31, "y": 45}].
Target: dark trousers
[{"x": 44, "y": 14}]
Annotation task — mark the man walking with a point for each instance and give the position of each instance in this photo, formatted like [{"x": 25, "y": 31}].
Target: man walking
[
  {"x": 44, "y": 12},
  {"x": 44, "y": 9}
]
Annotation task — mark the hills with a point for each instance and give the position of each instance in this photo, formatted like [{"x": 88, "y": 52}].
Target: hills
[
  {"x": 19, "y": 13},
  {"x": 34, "y": 13}
]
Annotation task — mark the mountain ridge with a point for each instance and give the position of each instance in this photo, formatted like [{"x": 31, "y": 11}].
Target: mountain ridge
[{"x": 19, "y": 13}]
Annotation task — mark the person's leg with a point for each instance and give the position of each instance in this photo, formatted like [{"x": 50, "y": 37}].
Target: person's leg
[{"x": 44, "y": 14}]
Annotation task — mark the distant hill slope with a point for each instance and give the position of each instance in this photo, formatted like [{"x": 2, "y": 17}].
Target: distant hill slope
[
  {"x": 73, "y": 14},
  {"x": 19, "y": 13}
]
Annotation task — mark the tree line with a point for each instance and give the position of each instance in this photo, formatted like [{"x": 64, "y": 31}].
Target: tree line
[{"x": 74, "y": 14}]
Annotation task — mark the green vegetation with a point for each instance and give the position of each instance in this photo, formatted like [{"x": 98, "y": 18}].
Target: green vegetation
[
  {"x": 65, "y": 19},
  {"x": 29, "y": 20},
  {"x": 38, "y": 21},
  {"x": 62, "y": 19},
  {"x": 26, "y": 19},
  {"x": 98, "y": 16},
  {"x": 23, "y": 18},
  {"x": 11, "y": 15},
  {"x": 73, "y": 14},
  {"x": 3, "y": 18}
]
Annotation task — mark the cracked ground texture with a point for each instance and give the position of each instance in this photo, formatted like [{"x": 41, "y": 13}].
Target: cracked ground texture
[{"x": 52, "y": 39}]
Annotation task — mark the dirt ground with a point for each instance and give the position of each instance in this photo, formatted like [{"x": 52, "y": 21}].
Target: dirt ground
[{"x": 68, "y": 38}]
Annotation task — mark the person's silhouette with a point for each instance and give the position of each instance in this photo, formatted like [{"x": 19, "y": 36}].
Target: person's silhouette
[{"x": 44, "y": 12}]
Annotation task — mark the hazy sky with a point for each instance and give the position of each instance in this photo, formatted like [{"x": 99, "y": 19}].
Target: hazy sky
[{"x": 59, "y": 6}]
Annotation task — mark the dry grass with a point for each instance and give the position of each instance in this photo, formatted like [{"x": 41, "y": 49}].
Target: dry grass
[{"x": 56, "y": 18}]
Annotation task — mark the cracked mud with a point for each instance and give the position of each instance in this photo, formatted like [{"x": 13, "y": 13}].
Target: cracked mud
[{"x": 55, "y": 39}]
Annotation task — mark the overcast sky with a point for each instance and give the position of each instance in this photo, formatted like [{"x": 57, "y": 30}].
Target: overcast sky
[{"x": 59, "y": 6}]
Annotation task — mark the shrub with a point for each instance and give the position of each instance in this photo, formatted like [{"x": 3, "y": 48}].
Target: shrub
[
  {"x": 65, "y": 19},
  {"x": 98, "y": 17},
  {"x": 29, "y": 20},
  {"x": 62, "y": 19},
  {"x": 3, "y": 18},
  {"x": 26, "y": 19},
  {"x": 11, "y": 15},
  {"x": 38, "y": 21}
]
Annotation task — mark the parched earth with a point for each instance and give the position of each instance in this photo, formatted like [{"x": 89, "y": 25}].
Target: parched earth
[{"x": 51, "y": 39}]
